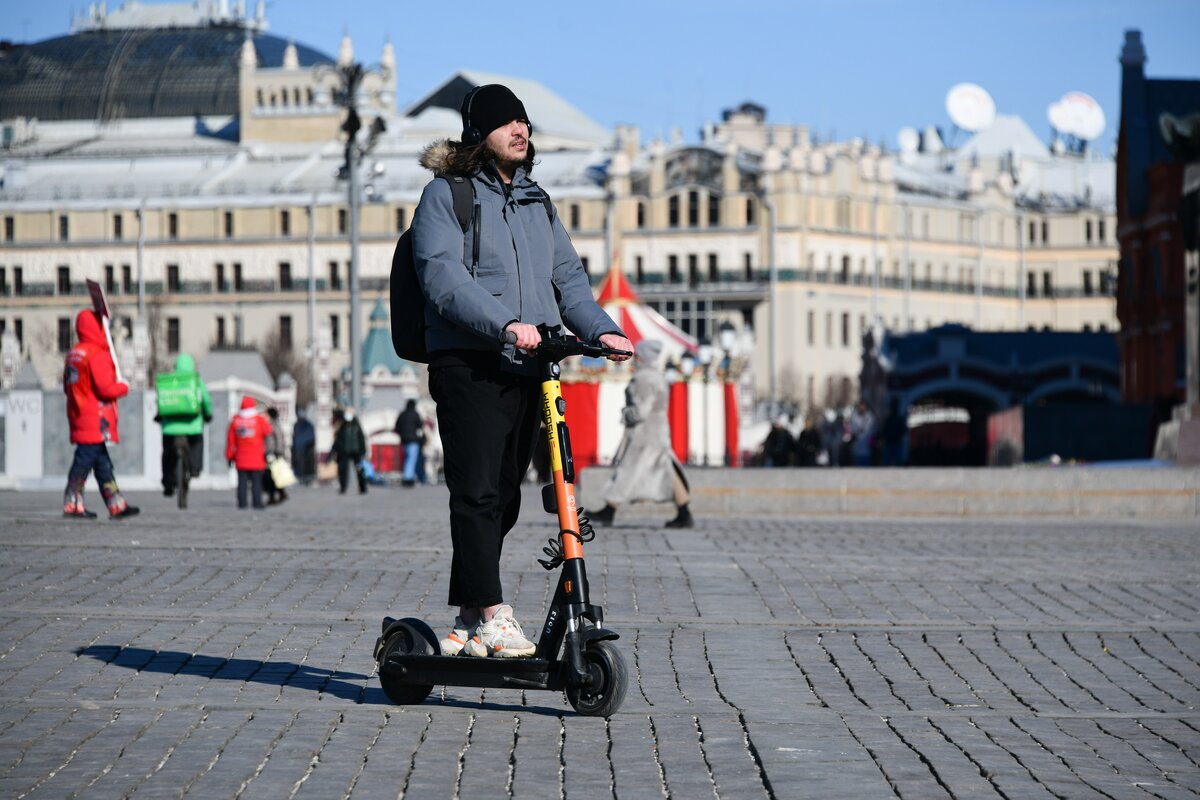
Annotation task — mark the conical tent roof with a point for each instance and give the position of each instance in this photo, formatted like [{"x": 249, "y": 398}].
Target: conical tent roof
[{"x": 640, "y": 321}]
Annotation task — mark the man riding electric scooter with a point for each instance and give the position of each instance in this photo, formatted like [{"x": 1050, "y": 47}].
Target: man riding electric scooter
[{"x": 523, "y": 272}]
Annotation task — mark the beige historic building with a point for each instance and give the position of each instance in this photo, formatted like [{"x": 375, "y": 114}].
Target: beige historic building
[{"x": 211, "y": 203}]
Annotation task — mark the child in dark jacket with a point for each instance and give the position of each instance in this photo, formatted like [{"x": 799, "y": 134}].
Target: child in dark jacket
[{"x": 245, "y": 447}]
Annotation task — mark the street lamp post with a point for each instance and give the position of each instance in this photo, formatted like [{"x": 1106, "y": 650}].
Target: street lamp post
[{"x": 705, "y": 357}]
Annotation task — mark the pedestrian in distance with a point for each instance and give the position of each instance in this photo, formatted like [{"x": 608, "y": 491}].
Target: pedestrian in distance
[
  {"x": 411, "y": 430},
  {"x": 777, "y": 449},
  {"x": 246, "y": 448},
  {"x": 275, "y": 447},
  {"x": 349, "y": 447},
  {"x": 92, "y": 389},
  {"x": 527, "y": 274},
  {"x": 184, "y": 407},
  {"x": 304, "y": 449},
  {"x": 862, "y": 429},
  {"x": 808, "y": 444},
  {"x": 646, "y": 467}
]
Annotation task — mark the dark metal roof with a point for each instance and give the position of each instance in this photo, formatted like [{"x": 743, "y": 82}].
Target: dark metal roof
[{"x": 137, "y": 73}]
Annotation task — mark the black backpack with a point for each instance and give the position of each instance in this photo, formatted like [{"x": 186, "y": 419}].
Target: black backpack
[{"x": 407, "y": 298}]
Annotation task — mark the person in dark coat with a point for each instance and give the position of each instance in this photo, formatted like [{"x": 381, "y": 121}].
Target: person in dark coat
[
  {"x": 304, "y": 449},
  {"x": 411, "y": 430},
  {"x": 777, "y": 449},
  {"x": 349, "y": 447},
  {"x": 808, "y": 444}
]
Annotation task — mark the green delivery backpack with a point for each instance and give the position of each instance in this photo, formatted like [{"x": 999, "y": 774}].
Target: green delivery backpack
[{"x": 178, "y": 395}]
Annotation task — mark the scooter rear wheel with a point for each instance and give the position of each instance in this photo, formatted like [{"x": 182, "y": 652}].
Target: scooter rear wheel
[
  {"x": 610, "y": 680},
  {"x": 411, "y": 637}
]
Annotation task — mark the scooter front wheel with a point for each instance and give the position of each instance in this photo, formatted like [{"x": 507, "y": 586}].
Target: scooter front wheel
[
  {"x": 411, "y": 637},
  {"x": 610, "y": 679}
]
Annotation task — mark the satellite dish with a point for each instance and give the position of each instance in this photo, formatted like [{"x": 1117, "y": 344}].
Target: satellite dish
[
  {"x": 1059, "y": 117},
  {"x": 1083, "y": 115},
  {"x": 970, "y": 107},
  {"x": 909, "y": 140}
]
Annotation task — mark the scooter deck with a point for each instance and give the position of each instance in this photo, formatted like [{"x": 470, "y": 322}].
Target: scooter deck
[{"x": 493, "y": 673}]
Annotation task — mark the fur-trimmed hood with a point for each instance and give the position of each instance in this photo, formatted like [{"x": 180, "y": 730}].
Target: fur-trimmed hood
[{"x": 436, "y": 157}]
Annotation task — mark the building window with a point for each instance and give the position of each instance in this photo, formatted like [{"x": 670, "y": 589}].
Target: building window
[
  {"x": 285, "y": 223},
  {"x": 714, "y": 211},
  {"x": 1100, "y": 229},
  {"x": 693, "y": 269},
  {"x": 285, "y": 276},
  {"x": 748, "y": 266},
  {"x": 640, "y": 266},
  {"x": 673, "y": 268},
  {"x": 220, "y": 343},
  {"x": 285, "y": 332},
  {"x": 844, "y": 275},
  {"x": 110, "y": 279},
  {"x": 829, "y": 330},
  {"x": 1045, "y": 232},
  {"x": 19, "y": 330},
  {"x": 341, "y": 220},
  {"x": 228, "y": 224},
  {"x": 641, "y": 215},
  {"x": 574, "y": 216},
  {"x": 64, "y": 334},
  {"x": 3, "y": 283},
  {"x": 1033, "y": 233},
  {"x": 843, "y": 212},
  {"x": 335, "y": 280},
  {"x": 64, "y": 280},
  {"x": 126, "y": 279},
  {"x": 1047, "y": 284},
  {"x": 845, "y": 329},
  {"x": 334, "y": 332},
  {"x": 237, "y": 277},
  {"x": 64, "y": 228},
  {"x": 714, "y": 274},
  {"x": 118, "y": 227},
  {"x": 812, "y": 327},
  {"x": 1087, "y": 231},
  {"x": 172, "y": 334},
  {"x": 401, "y": 220},
  {"x": 10, "y": 225},
  {"x": 172, "y": 225},
  {"x": 673, "y": 211},
  {"x": 1088, "y": 289},
  {"x": 693, "y": 210},
  {"x": 172, "y": 277},
  {"x": 750, "y": 211},
  {"x": 220, "y": 278},
  {"x": 1030, "y": 285}
]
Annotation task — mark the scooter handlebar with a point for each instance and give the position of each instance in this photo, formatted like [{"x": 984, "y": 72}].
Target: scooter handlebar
[{"x": 557, "y": 347}]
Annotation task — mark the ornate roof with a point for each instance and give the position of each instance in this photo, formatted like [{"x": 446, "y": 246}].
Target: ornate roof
[{"x": 134, "y": 73}]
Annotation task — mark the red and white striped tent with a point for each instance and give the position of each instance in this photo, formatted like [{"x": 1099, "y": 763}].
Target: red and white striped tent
[
  {"x": 640, "y": 321},
  {"x": 702, "y": 416}
]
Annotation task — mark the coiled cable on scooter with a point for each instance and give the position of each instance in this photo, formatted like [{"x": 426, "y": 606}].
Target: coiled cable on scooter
[{"x": 553, "y": 546}]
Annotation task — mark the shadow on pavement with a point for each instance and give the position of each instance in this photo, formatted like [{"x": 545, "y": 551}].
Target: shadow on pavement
[{"x": 274, "y": 673}]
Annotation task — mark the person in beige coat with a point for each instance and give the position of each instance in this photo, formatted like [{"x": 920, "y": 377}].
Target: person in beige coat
[{"x": 646, "y": 467}]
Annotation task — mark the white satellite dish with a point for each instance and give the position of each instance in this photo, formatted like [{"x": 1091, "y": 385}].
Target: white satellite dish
[
  {"x": 1083, "y": 115},
  {"x": 908, "y": 139},
  {"x": 970, "y": 107},
  {"x": 1059, "y": 117}
]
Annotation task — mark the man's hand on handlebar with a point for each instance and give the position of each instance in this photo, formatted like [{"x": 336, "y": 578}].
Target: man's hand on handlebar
[
  {"x": 616, "y": 342},
  {"x": 528, "y": 336}
]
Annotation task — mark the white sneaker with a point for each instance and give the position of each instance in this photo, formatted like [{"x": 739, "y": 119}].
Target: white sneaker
[
  {"x": 500, "y": 637},
  {"x": 453, "y": 643}
]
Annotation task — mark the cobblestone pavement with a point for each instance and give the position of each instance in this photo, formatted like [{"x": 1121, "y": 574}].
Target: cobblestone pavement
[{"x": 218, "y": 653}]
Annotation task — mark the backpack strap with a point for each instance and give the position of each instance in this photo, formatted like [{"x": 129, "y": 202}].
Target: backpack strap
[{"x": 466, "y": 211}]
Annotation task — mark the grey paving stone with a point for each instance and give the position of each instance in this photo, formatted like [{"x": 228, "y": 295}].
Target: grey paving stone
[{"x": 213, "y": 653}]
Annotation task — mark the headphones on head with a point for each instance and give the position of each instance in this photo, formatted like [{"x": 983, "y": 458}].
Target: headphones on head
[{"x": 471, "y": 135}]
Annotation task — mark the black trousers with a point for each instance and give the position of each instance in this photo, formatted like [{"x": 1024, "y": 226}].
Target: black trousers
[
  {"x": 251, "y": 479},
  {"x": 195, "y": 456},
  {"x": 346, "y": 464},
  {"x": 488, "y": 422}
]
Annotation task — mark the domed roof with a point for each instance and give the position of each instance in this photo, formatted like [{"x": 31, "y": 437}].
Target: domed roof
[{"x": 134, "y": 73}]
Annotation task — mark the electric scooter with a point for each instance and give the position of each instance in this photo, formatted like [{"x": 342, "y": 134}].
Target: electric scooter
[{"x": 575, "y": 652}]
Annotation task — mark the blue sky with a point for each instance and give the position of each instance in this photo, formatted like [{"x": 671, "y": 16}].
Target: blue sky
[{"x": 845, "y": 67}]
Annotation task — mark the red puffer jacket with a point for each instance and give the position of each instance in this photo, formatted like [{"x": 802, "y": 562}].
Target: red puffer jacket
[
  {"x": 245, "y": 444},
  {"x": 90, "y": 381}
]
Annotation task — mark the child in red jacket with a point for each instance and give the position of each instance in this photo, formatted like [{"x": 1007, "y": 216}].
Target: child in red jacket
[
  {"x": 245, "y": 446},
  {"x": 91, "y": 385}
]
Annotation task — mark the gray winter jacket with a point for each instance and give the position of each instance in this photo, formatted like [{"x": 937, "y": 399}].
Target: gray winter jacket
[{"x": 528, "y": 269}]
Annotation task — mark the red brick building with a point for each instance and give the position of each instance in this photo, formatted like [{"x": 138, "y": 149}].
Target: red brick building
[{"x": 1151, "y": 277}]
